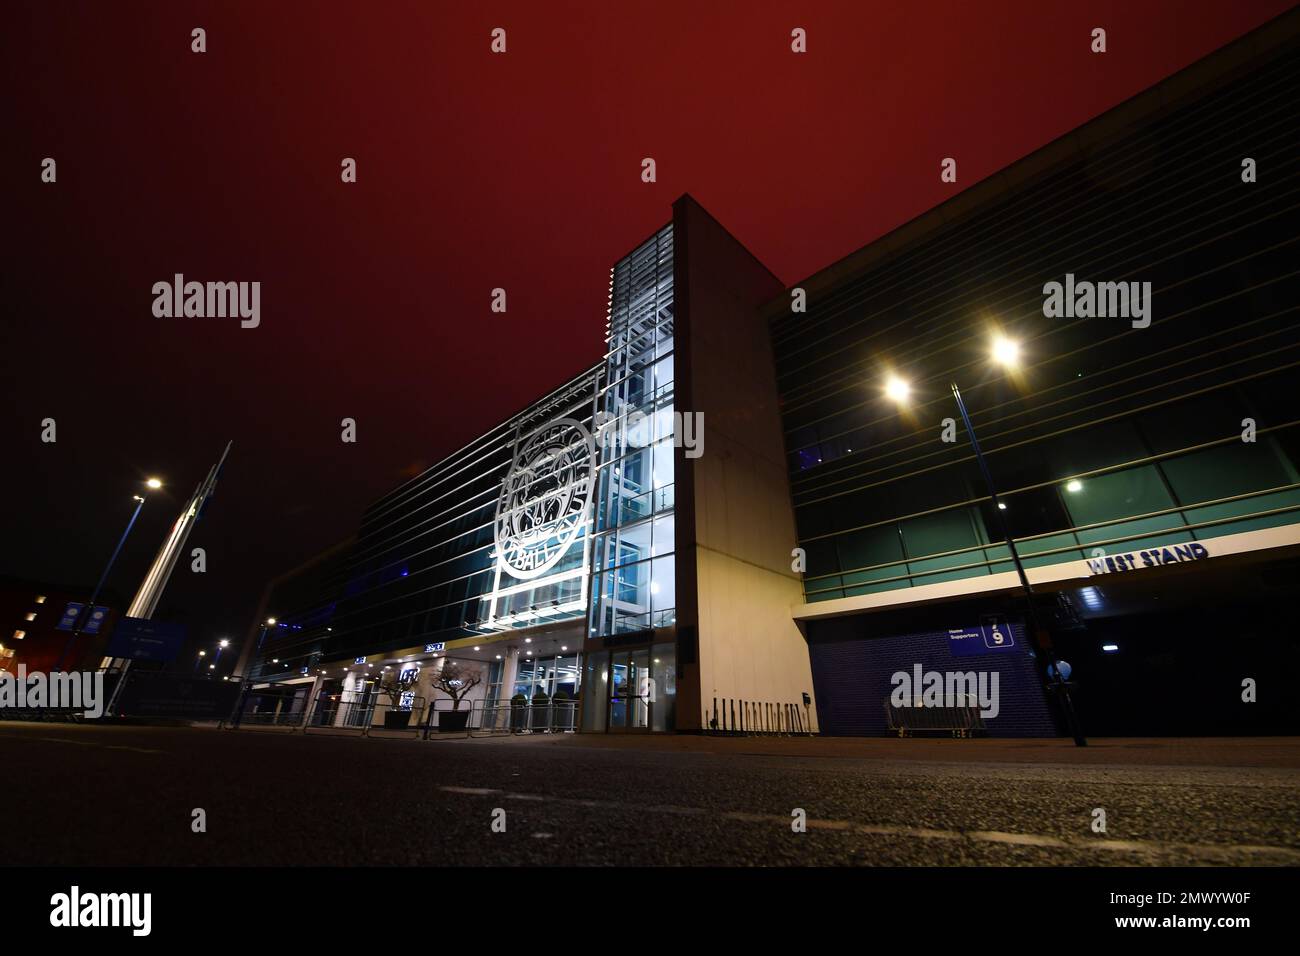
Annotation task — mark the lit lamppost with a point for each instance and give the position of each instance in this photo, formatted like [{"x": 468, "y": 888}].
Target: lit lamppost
[
  {"x": 221, "y": 646},
  {"x": 1006, "y": 352},
  {"x": 153, "y": 484},
  {"x": 243, "y": 680},
  {"x": 199, "y": 660}
]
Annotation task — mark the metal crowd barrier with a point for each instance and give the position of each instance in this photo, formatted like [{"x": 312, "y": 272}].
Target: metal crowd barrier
[
  {"x": 263, "y": 708},
  {"x": 499, "y": 718},
  {"x": 959, "y": 721},
  {"x": 269, "y": 707}
]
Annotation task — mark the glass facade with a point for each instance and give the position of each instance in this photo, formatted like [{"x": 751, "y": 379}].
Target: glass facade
[
  {"x": 547, "y": 676},
  {"x": 563, "y": 513},
  {"x": 633, "y": 574},
  {"x": 492, "y": 539},
  {"x": 1109, "y": 438}
]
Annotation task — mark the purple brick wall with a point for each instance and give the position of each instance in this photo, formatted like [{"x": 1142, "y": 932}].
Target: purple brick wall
[{"x": 852, "y": 679}]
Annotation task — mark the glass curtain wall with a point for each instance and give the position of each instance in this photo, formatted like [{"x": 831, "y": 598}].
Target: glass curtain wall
[{"x": 633, "y": 583}]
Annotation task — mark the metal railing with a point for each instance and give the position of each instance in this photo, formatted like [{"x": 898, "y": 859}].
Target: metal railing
[
  {"x": 1070, "y": 552},
  {"x": 491, "y": 718},
  {"x": 479, "y": 718}
]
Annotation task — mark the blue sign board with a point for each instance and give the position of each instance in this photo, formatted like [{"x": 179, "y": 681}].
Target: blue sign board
[
  {"x": 142, "y": 640},
  {"x": 433, "y": 648},
  {"x": 70, "y": 615},
  {"x": 98, "y": 615},
  {"x": 988, "y": 638}
]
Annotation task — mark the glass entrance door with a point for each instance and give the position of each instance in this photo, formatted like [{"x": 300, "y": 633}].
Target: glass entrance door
[{"x": 631, "y": 691}]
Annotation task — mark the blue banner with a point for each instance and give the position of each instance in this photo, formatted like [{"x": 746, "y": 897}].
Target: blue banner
[
  {"x": 70, "y": 615},
  {"x": 98, "y": 615}
]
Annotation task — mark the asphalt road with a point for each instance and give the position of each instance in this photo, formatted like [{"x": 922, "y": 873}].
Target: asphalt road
[{"x": 81, "y": 795}]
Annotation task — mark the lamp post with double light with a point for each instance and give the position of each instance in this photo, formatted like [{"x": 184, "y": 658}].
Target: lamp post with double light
[{"x": 1006, "y": 353}]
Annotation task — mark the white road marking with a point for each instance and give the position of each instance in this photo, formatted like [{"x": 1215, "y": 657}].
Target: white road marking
[
  {"x": 1212, "y": 851},
  {"x": 90, "y": 743}
]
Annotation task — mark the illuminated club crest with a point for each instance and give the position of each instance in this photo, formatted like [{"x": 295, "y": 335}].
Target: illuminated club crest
[{"x": 544, "y": 498}]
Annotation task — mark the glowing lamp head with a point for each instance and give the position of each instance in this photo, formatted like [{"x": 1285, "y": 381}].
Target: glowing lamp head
[
  {"x": 154, "y": 483},
  {"x": 1006, "y": 352},
  {"x": 896, "y": 389}
]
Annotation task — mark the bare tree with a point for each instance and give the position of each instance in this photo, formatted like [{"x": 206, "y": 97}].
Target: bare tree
[
  {"x": 456, "y": 680},
  {"x": 396, "y": 683}
]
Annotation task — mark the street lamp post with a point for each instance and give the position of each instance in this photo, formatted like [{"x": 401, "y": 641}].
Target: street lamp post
[
  {"x": 221, "y": 646},
  {"x": 243, "y": 679},
  {"x": 89, "y": 609},
  {"x": 1006, "y": 353},
  {"x": 1052, "y": 671}
]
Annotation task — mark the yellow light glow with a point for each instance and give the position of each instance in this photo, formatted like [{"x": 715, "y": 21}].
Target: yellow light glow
[
  {"x": 1006, "y": 351},
  {"x": 896, "y": 389},
  {"x": 154, "y": 483}
]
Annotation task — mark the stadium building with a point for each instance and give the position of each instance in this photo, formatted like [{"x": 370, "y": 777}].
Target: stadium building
[{"x": 763, "y": 503}]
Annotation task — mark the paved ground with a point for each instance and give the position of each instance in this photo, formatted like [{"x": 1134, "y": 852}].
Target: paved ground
[{"x": 77, "y": 795}]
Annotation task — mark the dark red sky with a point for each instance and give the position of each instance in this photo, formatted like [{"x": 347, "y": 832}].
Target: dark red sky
[{"x": 475, "y": 171}]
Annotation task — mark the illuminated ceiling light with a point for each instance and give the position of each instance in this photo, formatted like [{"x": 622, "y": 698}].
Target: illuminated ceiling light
[
  {"x": 1006, "y": 352},
  {"x": 1002, "y": 506},
  {"x": 1074, "y": 484},
  {"x": 896, "y": 389},
  {"x": 1110, "y": 648},
  {"x": 154, "y": 483}
]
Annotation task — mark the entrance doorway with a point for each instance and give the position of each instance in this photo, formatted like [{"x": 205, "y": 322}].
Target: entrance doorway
[{"x": 631, "y": 690}]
